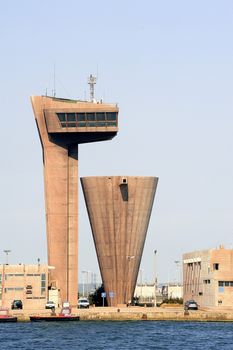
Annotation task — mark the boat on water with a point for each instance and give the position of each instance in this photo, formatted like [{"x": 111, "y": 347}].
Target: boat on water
[
  {"x": 65, "y": 315},
  {"x": 5, "y": 317}
]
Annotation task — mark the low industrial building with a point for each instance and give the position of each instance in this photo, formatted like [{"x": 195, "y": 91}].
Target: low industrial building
[
  {"x": 28, "y": 283},
  {"x": 172, "y": 291},
  {"x": 148, "y": 294},
  {"x": 145, "y": 293},
  {"x": 208, "y": 277}
]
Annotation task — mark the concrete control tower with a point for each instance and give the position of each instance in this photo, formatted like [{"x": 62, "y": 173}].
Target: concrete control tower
[{"x": 62, "y": 125}]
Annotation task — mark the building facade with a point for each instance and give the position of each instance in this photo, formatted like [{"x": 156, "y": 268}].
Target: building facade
[
  {"x": 146, "y": 293},
  {"x": 28, "y": 283},
  {"x": 172, "y": 291},
  {"x": 208, "y": 277},
  {"x": 63, "y": 125}
]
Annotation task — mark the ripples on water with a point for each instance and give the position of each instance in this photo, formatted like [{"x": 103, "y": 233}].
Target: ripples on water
[{"x": 117, "y": 335}]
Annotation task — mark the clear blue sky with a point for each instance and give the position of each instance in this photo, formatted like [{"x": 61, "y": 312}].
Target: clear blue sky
[{"x": 169, "y": 66}]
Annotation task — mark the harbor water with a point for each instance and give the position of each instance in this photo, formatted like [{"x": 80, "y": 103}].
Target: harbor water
[{"x": 159, "y": 335}]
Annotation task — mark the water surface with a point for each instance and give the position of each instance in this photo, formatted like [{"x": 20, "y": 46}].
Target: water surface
[{"x": 117, "y": 335}]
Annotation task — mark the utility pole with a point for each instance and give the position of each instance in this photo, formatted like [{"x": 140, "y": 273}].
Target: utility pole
[
  {"x": 128, "y": 277},
  {"x": 177, "y": 277},
  {"x": 155, "y": 278},
  {"x": 7, "y": 251},
  {"x": 141, "y": 271},
  {"x": 83, "y": 272}
]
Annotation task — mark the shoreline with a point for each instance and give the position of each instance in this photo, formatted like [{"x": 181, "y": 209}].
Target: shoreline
[{"x": 136, "y": 314}]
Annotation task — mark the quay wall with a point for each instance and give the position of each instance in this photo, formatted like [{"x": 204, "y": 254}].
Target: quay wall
[{"x": 136, "y": 314}]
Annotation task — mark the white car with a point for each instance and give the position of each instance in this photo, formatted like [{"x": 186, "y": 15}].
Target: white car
[
  {"x": 50, "y": 305},
  {"x": 83, "y": 303}
]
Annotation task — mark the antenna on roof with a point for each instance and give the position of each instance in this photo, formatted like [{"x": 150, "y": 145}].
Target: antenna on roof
[
  {"x": 54, "y": 81},
  {"x": 92, "y": 81}
]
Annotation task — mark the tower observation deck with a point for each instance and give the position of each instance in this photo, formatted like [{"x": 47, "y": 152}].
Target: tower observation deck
[{"x": 62, "y": 126}]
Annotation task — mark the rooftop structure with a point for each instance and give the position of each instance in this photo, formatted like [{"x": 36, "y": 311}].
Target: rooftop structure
[
  {"x": 119, "y": 209},
  {"x": 208, "y": 277},
  {"x": 62, "y": 125}
]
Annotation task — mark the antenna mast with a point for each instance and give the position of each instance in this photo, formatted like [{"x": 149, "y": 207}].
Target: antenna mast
[
  {"x": 54, "y": 80},
  {"x": 92, "y": 81}
]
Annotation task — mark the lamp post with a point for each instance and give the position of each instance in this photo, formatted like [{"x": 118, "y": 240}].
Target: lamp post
[
  {"x": 7, "y": 251},
  {"x": 83, "y": 272},
  {"x": 155, "y": 278},
  {"x": 88, "y": 281},
  {"x": 141, "y": 271},
  {"x": 129, "y": 258},
  {"x": 177, "y": 277}
]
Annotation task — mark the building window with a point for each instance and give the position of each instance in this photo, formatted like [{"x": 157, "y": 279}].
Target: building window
[
  {"x": 100, "y": 116},
  {"x": 71, "y": 117},
  {"x": 61, "y": 116},
  {"x": 81, "y": 117},
  {"x": 111, "y": 115},
  {"x": 7, "y": 275},
  {"x": 216, "y": 266},
  {"x": 221, "y": 289},
  {"x": 90, "y": 116},
  {"x": 10, "y": 289},
  {"x": 223, "y": 284},
  {"x": 111, "y": 124},
  {"x": 206, "y": 281},
  {"x": 43, "y": 283},
  {"x": 89, "y": 119},
  {"x": 91, "y": 124}
]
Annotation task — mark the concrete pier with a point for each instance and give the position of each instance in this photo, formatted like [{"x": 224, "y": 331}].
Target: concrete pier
[{"x": 137, "y": 314}]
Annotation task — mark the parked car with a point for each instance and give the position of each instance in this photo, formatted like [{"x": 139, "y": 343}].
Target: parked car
[
  {"x": 50, "y": 305},
  {"x": 16, "y": 304},
  {"x": 83, "y": 303},
  {"x": 190, "y": 305}
]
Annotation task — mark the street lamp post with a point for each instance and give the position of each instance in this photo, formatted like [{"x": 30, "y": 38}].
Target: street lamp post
[
  {"x": 177, "y": 262},
  {"x": 155, "y": 278},
  {"x": 141, "y": 271},
  {"x": 88, "y": 272},
  {"x": 129, "y": 258},
  {"x": 7, "y": 251},
  {"x": 83, "y": 272}
]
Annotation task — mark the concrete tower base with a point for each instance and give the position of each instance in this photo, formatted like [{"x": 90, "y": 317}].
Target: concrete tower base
[{"x": 119, "y": 209}]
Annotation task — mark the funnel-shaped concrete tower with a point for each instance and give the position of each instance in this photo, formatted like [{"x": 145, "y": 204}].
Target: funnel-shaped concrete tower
[
  {"x": 119, "y": 209},
  {"x": 62, "y": 125}
]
